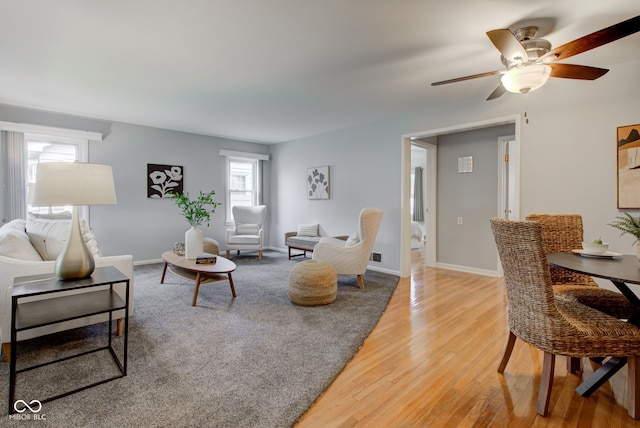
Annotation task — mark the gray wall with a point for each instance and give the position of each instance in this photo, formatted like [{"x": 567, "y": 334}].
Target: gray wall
[
  {"x": 146, "y": 227},
  {"x": 361, "y": 175},
  {"x": 568, "y": 160},
  {"x": 472, "y": 196},
  {"x": 568, "y": 156},
  {"x": 137, "y": 225}
]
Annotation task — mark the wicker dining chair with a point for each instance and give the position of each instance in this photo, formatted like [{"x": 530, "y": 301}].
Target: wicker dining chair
[
  {"x": 553, "y": 325},
  {"x": 562, "y": 233}
]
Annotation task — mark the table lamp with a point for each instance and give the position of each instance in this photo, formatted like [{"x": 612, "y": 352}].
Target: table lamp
[{"x": 75, "y": 184}]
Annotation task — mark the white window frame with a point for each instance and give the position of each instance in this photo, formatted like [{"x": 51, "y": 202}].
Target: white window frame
[
  {"x": 82, "y": 155},
  {"x": 228, "y": 190},
  {"x": 68, "y": 136},
  {"x": 254, "y": 158}
]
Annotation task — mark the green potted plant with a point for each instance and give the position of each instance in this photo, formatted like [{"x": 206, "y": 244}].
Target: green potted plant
[
  {"x": 196, "y": 211},
  {"x": 629, "y": 225}
]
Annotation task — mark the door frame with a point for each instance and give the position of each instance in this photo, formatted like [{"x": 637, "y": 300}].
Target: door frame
[
  {"x": 503, "y": 179},
  {"x": 431, "y": 175},
  {"x": 405, "y": 185}
]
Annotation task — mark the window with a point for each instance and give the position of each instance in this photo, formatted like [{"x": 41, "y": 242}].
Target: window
[
  {"x": 23, "y": 146},
  {"x": 243, "y": 180},
  {"x": 242, "y": 191},
  {"x": 44, "y": 148},
  {"x": 239, "y": 181}
]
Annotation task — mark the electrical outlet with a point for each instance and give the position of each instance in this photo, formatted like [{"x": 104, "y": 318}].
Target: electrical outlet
[{"x": 376, "y": 257}]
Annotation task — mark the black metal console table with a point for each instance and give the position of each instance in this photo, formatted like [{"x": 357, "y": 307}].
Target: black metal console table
[{"x": 32, "y": 314}]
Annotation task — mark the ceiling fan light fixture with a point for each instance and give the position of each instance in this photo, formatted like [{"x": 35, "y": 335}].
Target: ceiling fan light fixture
[{"x": 526, "y": 78}]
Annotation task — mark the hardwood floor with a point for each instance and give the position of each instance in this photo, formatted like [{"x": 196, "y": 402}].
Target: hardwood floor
[{"x": 431, "y": 362}]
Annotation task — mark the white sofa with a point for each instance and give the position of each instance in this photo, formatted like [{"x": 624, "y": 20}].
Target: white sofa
[{"x": 19, "y": 257}]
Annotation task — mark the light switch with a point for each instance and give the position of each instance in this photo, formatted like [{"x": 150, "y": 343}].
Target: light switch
[{"x": 459, "y": 220}]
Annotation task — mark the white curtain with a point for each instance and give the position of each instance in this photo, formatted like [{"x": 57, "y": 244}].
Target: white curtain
[
  {"x": 14, "y": 164},
  {"x": 418, "y": 199}
]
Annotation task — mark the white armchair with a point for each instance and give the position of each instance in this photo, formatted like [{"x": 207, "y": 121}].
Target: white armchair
[
  {"x": 351, "y": 257},
  {"x": 248, "y": 231}
]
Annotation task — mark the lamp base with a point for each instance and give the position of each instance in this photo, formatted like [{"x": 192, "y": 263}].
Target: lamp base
[{"x": 75, "y": 261}]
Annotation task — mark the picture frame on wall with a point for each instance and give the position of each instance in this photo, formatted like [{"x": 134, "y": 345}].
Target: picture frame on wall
[
  {"x": 163, "y": 180},
  {"x": 318, "y": 182},
  {"x": 628, "y": 166}
]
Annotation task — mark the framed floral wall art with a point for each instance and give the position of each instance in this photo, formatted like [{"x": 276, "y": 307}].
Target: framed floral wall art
[
  {"x": 628, "y": 155},
  {"x": 318, "y": 182},
  {"x": 163, "y": 180}
]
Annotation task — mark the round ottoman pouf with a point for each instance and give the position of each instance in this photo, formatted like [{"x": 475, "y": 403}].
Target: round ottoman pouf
[
  {"x": 211, "y": 246},
  {"x": 312, "y": 283}
]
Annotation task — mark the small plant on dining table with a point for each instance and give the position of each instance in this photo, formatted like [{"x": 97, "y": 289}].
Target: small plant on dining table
[{"x": 628, "y": 225}]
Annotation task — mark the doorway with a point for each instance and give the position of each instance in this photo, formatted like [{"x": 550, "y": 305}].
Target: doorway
[
  {"x": 405, "y": 206},
  {"x": 419, "y": 202}
]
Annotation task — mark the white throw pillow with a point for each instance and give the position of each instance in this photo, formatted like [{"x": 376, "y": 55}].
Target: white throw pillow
[
  {"x": 352, "y": 240},
  {"x": 62, "y": 215},
  {"x": 89, "y": 239},
  {"x": 247, "y": 229},
  {"x": 48, "y": 236},
  {"x": 17, "y": 224},
  {"x": 14, "y": 242},
  {"x": 308, "y": 230}
]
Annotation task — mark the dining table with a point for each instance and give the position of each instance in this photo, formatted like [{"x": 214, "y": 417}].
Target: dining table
[{"x": 621, "y": 270}]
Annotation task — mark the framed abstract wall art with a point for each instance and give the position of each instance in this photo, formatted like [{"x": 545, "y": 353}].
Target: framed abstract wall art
[
  {"x": 318, "y": 182},
  {"x": 163, "y": 180},
  {"x": 628, "y": 155}
]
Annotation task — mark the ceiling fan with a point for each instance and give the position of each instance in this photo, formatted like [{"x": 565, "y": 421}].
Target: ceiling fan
[{"x": 529, "y": 62}]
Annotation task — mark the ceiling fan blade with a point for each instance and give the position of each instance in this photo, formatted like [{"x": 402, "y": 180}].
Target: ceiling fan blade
[
  {"x": 498, "y": 92},
  {"x": 462, "y": 79},
  {"x": 508, "y": 45},
  {"x": 571, "y": 71},
  {"x": 596, "y": 39}
]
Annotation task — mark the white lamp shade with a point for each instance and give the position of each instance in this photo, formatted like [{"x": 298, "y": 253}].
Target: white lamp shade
[
  {"x": 73, "y": 183},
  {"x": 526, "y": 78}
]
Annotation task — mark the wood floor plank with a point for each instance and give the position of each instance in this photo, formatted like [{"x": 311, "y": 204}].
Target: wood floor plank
[{"x": 432, "y": 362}]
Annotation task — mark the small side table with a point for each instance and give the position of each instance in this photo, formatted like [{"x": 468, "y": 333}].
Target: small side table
[{"x": 32, "y": 314}]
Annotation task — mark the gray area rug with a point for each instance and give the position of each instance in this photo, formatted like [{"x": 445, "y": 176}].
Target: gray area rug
[{"x": 253, "y": 361}]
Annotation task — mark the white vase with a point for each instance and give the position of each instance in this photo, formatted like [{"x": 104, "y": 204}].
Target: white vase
[{"x": 193, "y": 245}]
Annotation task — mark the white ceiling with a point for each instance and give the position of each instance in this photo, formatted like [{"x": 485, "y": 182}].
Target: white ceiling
[{"x": 273, "y": 70}]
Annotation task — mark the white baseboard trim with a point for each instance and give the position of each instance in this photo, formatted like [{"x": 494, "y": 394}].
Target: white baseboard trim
[
  {"x": 147, "y": 262},
  {"x": 280, "y": 250},
  {"x": 375, "y": 268},
  {"x": 468, "y": 269},
  {"x": 383, "y": 270}
]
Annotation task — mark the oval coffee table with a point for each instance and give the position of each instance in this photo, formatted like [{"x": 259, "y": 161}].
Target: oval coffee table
[{"x": 200, "y": 273}]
